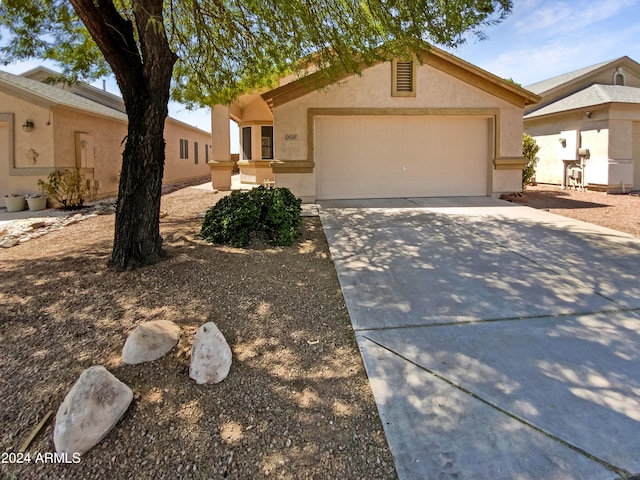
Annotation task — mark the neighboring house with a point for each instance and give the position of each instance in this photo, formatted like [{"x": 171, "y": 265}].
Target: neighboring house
[
  {"x": 588, "y": 127},
  {"x": 45, "y": 127},
  {"x": 439, "y": 127}
]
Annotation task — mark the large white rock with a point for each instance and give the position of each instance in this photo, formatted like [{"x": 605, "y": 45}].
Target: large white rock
[
  {"x": 150, "y": 341},
  {"x": 210, "y": 355},
  {"x": 90, "y": 410}
]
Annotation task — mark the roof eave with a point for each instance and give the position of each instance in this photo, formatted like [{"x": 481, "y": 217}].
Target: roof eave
[
  {"x": 433, "y": 56},
  {"x": 583, "y": 108}
]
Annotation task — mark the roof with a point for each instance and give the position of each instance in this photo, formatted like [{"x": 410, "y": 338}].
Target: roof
[
  {"x": 551, "y": 83},
  {"x": 431, "y": 55},
  {"x": 48, "y": 95},
  {"x": 591, "y": 96},
  {"x": 85, "y": 90}
]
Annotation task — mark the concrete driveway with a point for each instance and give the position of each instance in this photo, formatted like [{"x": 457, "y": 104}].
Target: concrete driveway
[{"x": 501, "y": 342}]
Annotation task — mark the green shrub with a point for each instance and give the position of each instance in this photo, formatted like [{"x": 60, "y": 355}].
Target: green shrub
[
  {"x": 68, "y": 187},
  {"x": 273, "y": 214},
  {"x": 529, "y": 151}
]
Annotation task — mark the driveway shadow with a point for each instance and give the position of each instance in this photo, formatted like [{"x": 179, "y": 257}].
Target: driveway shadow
[{"x": 500, "y": 341}]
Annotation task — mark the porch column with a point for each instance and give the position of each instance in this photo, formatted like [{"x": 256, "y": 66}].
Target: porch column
[{"x": 220, "y": 163}]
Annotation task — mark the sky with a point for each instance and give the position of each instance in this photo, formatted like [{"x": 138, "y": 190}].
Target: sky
[
  {"x": 543, "y": 38},
  {"x": 538, "y": 40}
]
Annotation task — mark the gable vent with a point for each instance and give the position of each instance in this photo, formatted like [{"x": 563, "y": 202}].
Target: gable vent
[{"x": 404, "y": 77}]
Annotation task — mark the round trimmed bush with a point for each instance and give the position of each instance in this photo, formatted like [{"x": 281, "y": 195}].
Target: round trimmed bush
[{"x": 274, "y": 214}]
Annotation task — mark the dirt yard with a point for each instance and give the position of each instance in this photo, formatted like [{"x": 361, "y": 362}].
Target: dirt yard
[
  {"x": 296, "y": 404},
  {"x": 619, "y": 212}
]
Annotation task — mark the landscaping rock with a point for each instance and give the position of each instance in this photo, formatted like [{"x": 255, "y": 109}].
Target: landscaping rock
[
  {"x": 150, "y": 341},
  {"x": 9, "y": 242},
  {"x": 25, "y": 229},
  {"x": 90, "y": 410},
  {"x": 210, "y": 355}
]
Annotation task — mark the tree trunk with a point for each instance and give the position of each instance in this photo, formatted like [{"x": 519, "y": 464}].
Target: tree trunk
[
  {"x": 142, "y": 61},
  {"x": 137, "y": 239}
]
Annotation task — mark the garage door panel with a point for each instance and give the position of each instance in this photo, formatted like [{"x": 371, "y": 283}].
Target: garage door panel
[{"x": 386, "y": 157}]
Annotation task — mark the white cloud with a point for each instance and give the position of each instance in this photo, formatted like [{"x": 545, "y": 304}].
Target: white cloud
[
  {"x": 551, "y": 18},
  {"x": 606, "y": 32}
]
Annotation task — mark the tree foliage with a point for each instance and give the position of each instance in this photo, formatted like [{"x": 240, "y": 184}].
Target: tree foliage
[
  {"x": 211, "y": 51},
  {"x": 530, "y": 149},
  {"x": 227, "y": 47}
]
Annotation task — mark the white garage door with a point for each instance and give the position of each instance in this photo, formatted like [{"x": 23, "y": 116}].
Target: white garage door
[{"x": 389, "y": 157}]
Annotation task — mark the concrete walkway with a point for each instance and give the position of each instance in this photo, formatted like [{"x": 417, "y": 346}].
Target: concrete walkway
[{"x": 501, "y": 342}]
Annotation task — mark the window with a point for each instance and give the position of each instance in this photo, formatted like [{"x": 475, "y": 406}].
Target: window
[
  {"x": 403, "y": 79},
  {"x": 246, "y": 143},
  {"x": 267, "y": 142},
  {"x": 195, "y": 153},
  {"x": 206, "y": 153},
  {"x": 184, "y": 148}
]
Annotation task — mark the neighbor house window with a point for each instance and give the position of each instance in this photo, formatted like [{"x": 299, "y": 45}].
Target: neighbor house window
[
  {"x": 206, "y": 153},
  {"x": 403, "y": 79},
  {"x": 184, "y": 148},
  {"x": 246, "y": 143},
  {"x": 267, "y": 142},
  {"x": 195, "y": 153}
]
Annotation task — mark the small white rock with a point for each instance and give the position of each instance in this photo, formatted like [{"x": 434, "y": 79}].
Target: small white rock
[
  {"x": 9, "y": 242},
  {"x": 210, "y": 355},
  {"x": 150, "y": 341},
  {"x": 90, "y": 410}
]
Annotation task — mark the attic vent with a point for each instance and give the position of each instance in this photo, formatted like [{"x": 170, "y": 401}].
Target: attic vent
[
  {"x": 404, "y": 75},
  {"x": 618, "y": 77},
  {"x": 403, "y": 81}
]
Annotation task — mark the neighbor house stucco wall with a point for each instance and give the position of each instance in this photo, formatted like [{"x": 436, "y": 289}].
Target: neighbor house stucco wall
[
  {"x": 177, "y": 169},
  {"x": 53, "y": 143},
  {"x": 437, "y": 93},
  {"x": 607, "y": 133},
  {"x": 104, "y": 146},
  {"x": 591, "y": 133},
  {"x": 20, "y": 173}
]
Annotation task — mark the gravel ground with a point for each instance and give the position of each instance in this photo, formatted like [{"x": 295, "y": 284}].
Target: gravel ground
[
  {"x": 296, "y": 404},
  {"x": 619, "y": 212}
]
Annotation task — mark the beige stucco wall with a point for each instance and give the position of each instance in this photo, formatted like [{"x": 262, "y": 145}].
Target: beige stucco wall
[
  {"x": 176, "y": 169},
  {"x": 256, "y": 111},
  {"x": 55, "y": 146},
  {"x": 220, "y": 128},
  {"x": 22, "y": 176},
  {"x": 608, "y": 135},
  {"x": 435, "y": 90},
  {"x": 606, "y": 78},
  {"x": 636, "y": 155},
  {"x": 105, "y": 144}
]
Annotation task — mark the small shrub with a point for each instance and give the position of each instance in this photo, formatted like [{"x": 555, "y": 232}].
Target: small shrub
[
  {"x": 529, "y": 151},
  {"x": 273, "y": 214},
  {"x": 68, "y": 187}
]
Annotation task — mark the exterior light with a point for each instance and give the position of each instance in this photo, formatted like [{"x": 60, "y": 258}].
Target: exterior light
[{"x": 27, "y": 126}]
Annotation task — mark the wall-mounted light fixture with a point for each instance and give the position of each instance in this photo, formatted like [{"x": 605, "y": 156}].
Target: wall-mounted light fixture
[
  {"x": 27, "y": 126},
  {"x": 563, "y": 141},
  {"x": 588, "y": 114}
]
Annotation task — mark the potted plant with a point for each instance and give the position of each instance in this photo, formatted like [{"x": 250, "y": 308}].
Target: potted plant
[
  {"x": 37, "y": 201},
  {"x": 15, "y": 202}
]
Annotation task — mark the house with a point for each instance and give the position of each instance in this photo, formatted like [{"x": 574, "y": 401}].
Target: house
[
  {"x": 588, "y": 127},
  {"x": 45, "y": 127},
  {"x": 432, "y": 126}
]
